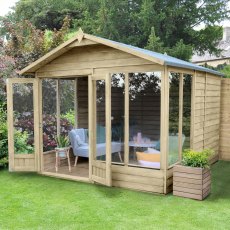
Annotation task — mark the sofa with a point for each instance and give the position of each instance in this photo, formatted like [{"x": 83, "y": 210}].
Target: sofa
[{"x": 79, "y": 143}]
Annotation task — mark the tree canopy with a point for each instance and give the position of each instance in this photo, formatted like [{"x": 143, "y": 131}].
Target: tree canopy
[
  {"x": 167, "y": 26},
  {"x": 160, "y": 25}
]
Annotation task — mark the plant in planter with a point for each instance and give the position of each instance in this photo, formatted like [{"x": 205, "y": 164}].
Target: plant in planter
[
  {"x": 62, "y": 150},
  {"x": 62, "y": 145},
  {"x": 192, "y": 179}
]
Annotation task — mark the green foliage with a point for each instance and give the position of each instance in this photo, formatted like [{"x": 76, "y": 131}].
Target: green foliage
[
  {"x": 26, "y": 43},
  {"x": 21, "y": 144},
  {"x": 132, "y": 21},
  {"x": 3, "y": 162},
  {"x": 226, "y": 71},
  {"x": 197, "y": 159},
  {"x": 70, "y": 116},
  {"x": 181, "y": 50},
  {"x": 47, "y": 14},
  {"x": 62, "y": 141},
  {"x": 154, "y": 42},
  {"x": 3, "y": 136}
]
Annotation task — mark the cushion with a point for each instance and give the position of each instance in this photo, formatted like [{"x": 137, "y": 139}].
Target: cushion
[
  {"x": 100, "y": 134},
  {"x": 158, "y": 145},
  {"x": 79, "y": 141},
  {"x": 153, "y": 151},
  {"x": 150, "y": 164},
  {"x": 81, "y": 134},
  {"x": 142, "y": 156}
]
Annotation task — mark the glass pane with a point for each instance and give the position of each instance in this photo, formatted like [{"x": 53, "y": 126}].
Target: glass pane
[
  {"x": 49, "y": 114},
  {"x": 144, "y": 119},
  {"x": 23, "y": 118},
  {"x": 117, "y": 119},
  {"x": 187, "y": 96},
  {"x": 174, "y": 82},
  {"x": 67, "y": 116},
  {"x": 100, "y": 121}
]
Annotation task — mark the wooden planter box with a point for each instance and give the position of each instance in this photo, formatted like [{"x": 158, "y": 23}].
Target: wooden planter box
[{"x": 191, "y": 182}]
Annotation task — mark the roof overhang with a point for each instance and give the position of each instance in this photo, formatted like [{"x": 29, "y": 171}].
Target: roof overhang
[{"x": 81, "y": 39}]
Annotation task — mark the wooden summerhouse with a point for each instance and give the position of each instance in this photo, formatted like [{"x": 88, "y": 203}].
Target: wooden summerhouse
[{"x": 133, "y": 110}]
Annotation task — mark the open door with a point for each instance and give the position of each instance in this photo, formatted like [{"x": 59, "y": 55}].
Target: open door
[
  {"x": 100, "y": 129},
  {"x": 23, "y": 124}
]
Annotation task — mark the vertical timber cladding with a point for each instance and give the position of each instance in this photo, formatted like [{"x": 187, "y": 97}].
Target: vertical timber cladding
[
  {"x": 207, "y": 112},
  {"x": 225, "y": 120}
]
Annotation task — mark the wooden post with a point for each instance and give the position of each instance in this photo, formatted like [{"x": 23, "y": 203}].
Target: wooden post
[
  {"x": 181, "y": 77},
  {"x": 108, "y": 128},
  {"x": 90, "y": 123},
  {"x": 36, "y": 124},
  {"x": 164, "y": 124},
  {"x": 76, "y": 103},
  {"x": 40, "y": 106},
  {"x": 58, "y": 106},
  {"x": 10, "y": 121},
  {"x": 126, "y": 128},
  {"x": 192, "y": 110}
]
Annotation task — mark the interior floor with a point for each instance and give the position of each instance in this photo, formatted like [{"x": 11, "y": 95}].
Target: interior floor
[{"x": 81, "y": 170}]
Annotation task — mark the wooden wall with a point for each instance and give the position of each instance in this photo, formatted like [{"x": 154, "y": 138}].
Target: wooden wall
[
  {"x": 141, "y": 179},
  {"x": 24, "y": 162},
  {"x": 82, "y": 102},
  {"x": 207, "y": 112},
  {"x": 145, "y": 113},
  {"x": 225, "y": 120},
  {"x": 85, "y": 58}
]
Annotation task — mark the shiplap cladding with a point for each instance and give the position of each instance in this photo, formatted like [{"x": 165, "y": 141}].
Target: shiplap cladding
[
  {"x": 87, "y": 58},
  {"x": 225, "y": 120},
  {"x": 82, "y": 102},
  {"x": 207, "y": 112}
]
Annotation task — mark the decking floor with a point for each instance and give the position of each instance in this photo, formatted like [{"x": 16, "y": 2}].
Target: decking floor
[{"x": 81, "y": 170}]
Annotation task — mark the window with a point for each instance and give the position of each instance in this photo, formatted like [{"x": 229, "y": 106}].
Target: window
[
  {"x": 117, "y": 116},
  {"x": 180, "y": 89},
  {"x": 23, "y": 118},
  {"x": 144, "y": 119}
]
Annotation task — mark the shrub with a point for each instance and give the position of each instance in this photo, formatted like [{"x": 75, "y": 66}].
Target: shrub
[
  {"x": 197, "y": 159},
  {"x": 3, "y": 136},
  {"x": 22, "y": 143},
  {"x": 69, "y": 116}
]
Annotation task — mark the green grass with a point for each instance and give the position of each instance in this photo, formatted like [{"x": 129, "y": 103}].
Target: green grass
[{"x": 30, "y": 201}]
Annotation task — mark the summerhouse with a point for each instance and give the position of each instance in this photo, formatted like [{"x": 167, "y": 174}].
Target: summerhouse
[{"x": 128, "y": 113}]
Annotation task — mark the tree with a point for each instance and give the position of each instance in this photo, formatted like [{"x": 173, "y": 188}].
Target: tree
[
  {"x": 131, "y": 21},
  {"x": 226, "y": 71},
  {"x": 48, "y": 14},
  {"x": 26, "y": 43}
]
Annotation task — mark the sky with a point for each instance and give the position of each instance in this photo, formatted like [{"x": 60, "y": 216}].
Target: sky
[{"x": 6, "y": 4}]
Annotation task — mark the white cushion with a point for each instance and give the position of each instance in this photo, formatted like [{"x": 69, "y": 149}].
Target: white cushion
[
  {"x": 79, "y": 141},
  {"x": 153, "y": 151},
  {"x": 149, "y": 164}
]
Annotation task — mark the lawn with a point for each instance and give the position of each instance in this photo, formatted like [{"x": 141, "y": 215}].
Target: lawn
[{"x": 31, "y": 201}]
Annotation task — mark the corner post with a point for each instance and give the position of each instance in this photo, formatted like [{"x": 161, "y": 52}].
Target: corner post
[{"x": 164, "y": 124}]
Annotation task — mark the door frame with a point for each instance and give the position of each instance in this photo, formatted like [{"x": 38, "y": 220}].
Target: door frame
[
  {"x": 106, "y": 165},
  {"x": 10, "y": 123}
]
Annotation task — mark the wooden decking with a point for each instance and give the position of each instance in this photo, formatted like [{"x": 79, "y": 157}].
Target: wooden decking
[{"x": 81, "y": 170}]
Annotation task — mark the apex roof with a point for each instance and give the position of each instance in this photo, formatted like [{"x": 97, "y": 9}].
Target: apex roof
[{"x": 82, "y": 39}]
